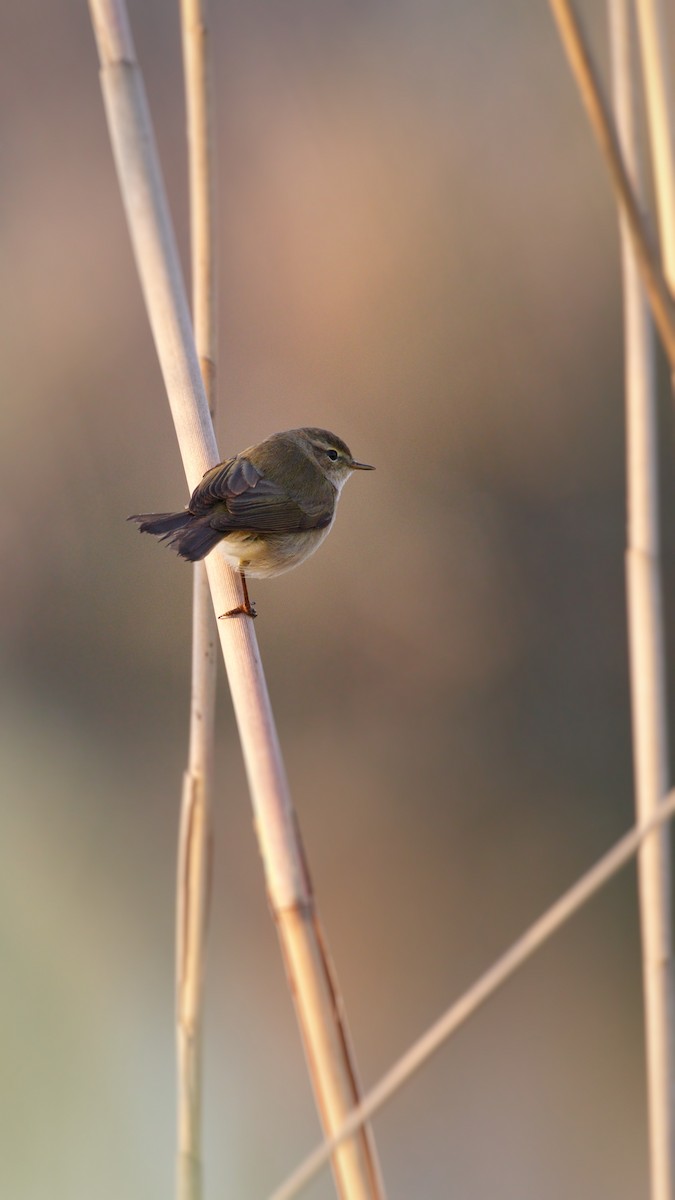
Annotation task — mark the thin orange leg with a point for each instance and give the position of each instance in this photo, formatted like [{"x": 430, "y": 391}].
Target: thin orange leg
[{"x": 246, "y": 608}]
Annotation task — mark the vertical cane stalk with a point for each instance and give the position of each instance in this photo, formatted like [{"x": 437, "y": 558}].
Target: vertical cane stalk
[
  {"x": 194, "y": 858},
  {"x": 646, "y": 641},
  {"x": 658, "y": 90}
]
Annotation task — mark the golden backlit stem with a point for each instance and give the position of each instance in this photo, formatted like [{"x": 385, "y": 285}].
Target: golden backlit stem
[
  {"x": 656, "y": 58},
  {"x": 194, "y": 845},
  {"x": 646, "y": 640},
  {"x": 320, "y": 1017}
]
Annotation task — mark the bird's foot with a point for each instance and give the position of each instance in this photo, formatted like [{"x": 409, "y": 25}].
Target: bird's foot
[
  {"x": 247, "y": 610},
  {"x": 245, "y": 607}
]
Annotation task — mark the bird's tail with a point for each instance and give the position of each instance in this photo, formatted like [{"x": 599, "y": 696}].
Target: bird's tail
[{"x": 191, "y": 537}]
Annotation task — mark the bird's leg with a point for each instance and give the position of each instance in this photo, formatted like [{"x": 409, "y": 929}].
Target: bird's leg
[
  {"x": 246, "y": 608},
  {"x": 249, "y": 608}
]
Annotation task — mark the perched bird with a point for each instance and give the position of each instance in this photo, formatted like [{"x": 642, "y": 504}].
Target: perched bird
[{"x": 271, "y": 506}]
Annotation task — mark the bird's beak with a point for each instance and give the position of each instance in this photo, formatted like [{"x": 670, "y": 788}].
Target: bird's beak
[{"x": 356, "y": 466}]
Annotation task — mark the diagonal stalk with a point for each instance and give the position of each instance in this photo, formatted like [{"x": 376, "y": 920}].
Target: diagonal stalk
[
  {"x": 459, "y": 1012},
  {"x": 599, "y": 115},
  {"x": 319, "y": 1010}
]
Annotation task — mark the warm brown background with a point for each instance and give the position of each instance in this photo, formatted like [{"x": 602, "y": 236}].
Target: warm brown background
[{"x": 418, "y": 250}]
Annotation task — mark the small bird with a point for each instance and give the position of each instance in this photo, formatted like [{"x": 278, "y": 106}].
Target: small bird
[{"x": 271, "y": 505}]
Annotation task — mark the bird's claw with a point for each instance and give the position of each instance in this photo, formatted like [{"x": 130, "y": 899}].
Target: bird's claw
[{"x": 246, "y": 610}]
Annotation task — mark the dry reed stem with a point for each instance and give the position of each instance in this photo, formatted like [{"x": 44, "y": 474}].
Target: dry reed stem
[
  {"x": 319, "y": 1013},
  {"x": 194, "y": 845},
  {"x": 202, "y": 172},
  {"x": 654, "y": 45},
  {"x": 192, "y": 898},
  {"x": 458, "y": 1013},
  {"x": 581, "y": 63},
  {"x": 646, "y": 639}
]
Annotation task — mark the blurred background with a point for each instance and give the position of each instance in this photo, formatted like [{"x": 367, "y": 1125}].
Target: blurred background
[{"x": 418, "y": 250}]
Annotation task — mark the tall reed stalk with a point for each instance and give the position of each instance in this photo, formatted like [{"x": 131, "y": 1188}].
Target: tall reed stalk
[
  {"x": 646, "y": 641},
  {"x": 194, "y": 844},
  {"x": 318, "y": 1006},
  {"x": 654, "y": 45},
  {"x": 642, "y": 555}
]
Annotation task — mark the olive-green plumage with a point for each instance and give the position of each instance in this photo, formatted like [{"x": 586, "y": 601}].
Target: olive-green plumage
[{"x": 271, "y": 506}]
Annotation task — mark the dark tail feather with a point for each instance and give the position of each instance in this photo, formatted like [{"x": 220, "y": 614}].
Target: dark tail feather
[
  {"x": 162, "y": 524},
  {"x": 191, "y": 537}
]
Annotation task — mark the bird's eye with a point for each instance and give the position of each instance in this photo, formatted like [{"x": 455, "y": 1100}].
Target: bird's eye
[{"x": 332, "y": 455}]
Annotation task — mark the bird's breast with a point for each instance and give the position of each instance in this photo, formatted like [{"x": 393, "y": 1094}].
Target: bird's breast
[{"x": 265, "y": 554}]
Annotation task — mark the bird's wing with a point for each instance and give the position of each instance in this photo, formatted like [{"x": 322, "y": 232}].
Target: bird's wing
[
  {"x": 222, "y": 482},
  {"x": 238, "y": 496}
]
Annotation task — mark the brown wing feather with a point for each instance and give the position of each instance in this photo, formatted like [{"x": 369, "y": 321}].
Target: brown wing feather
[
  {"x": 237, "y": 496},
  {"x": 227, "y": 479}
]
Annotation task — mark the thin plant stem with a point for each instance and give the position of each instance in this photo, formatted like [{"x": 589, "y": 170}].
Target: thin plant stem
[
  {"x": 646, "y": 641},
  {"x": 473, "y": 999},
  {"x": 319, "y": 1009},
  {"x": 655, "y": 59},
  {"x": 599, "y": 114},
  {"x": 194, "y": 844},
  {"x": 193, "y": 888},
  {"x": 202, "y": 172}
]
